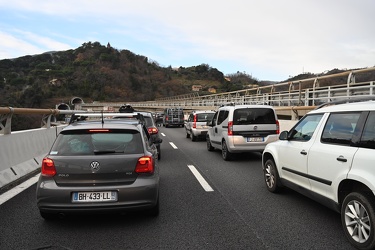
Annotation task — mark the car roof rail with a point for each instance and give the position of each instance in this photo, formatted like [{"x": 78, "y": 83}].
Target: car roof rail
[
  {"x": 86, "y": 116},
  {"x": 348, "y": 100}
]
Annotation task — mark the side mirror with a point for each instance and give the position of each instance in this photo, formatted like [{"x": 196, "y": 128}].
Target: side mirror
[{"x": 283, "y": 135}]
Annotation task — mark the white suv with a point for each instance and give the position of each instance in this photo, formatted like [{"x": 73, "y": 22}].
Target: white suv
[
  {"x": 196, "y": 124},
  {"x": 242, "y": 128},
  {"x": 329, "y": 156}
]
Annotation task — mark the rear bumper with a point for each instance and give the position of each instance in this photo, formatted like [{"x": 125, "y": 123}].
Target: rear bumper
[
  {"x": 238, "y": 144},
  {"x": 199, "y": 133},
  {"x": 141, "y": 195},
  {"x": 174, "y": 123}
]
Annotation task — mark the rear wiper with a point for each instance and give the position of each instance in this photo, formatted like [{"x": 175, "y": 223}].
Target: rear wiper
[{"x": 100, "y": 152}]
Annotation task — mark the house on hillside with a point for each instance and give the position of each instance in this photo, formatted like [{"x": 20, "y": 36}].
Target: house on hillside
[
  {"x": 212, "y": 90},
  {"x": 196, "y": 87}
]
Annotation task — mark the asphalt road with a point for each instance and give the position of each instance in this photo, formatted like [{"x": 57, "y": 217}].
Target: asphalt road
[{"x": 238, "y": 214}]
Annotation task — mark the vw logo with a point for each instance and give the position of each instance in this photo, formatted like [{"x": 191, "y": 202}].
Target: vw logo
[{"x": 95, "y": 166}]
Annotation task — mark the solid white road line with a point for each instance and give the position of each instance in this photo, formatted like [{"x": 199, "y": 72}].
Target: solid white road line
[
  {"x": 201, "y": 180},
  {"x": 18, "y": 189},
  {"x": 173, "y": 146}
]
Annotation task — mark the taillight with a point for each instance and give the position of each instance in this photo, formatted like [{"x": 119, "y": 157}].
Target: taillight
[
  {"x": 152, "y": 130},
  {"x": 277, "y": 127},
  {"x": 145, "y": 164},
  {"x": 195, "y": 121},
  {"x": 48, "y": 167},
  {"x": 230, "y": 128}
]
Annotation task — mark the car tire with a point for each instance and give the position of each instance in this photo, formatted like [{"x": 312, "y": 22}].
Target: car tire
[
  {"x": 159, "y": 153},
  {"x": 271, "y": 176},
  {"x": 358, "y": 220},
  {"x": 187, "y": 134},
  {"x": 227, "y": 156},
  {"x": 209, "y": 145}
]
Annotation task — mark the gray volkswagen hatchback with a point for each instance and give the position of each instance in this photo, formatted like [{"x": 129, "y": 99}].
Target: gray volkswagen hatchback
[{"x": 99, "y": 166}]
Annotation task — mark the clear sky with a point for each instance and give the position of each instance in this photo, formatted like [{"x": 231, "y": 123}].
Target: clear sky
[{"x": 268, "y": 39}]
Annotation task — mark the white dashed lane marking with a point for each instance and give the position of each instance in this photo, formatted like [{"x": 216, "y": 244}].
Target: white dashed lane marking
[
  {"x": 173, "y": 146},
  {"x": 201, "y": 180}
]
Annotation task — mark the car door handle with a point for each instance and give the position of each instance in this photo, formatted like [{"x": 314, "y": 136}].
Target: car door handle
[
  {"x": 341, "y": 158},
  {"x": 303, "y": 152}
]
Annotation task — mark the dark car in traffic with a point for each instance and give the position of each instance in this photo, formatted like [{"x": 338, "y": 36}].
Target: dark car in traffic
[
  {"x": 106, "y": 166},
  {"x": 152, "y": 130}
]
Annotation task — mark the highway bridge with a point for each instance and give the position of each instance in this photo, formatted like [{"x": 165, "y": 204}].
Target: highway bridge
[{"x": 22, "y": 151}]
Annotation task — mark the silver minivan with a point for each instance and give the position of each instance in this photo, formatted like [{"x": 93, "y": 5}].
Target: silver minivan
[{"x": 242, "y": 128}]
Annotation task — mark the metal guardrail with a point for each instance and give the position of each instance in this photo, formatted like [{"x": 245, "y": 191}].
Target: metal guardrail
[
  {"x": 307, "y": 92},
  {"x": 6, "y": 114}
]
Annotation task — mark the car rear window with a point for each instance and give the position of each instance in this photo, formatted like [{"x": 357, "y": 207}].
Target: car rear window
[
  {"x": 149, "y": 122},
  {"x": 253, "y": 116},
  {"x": 204, "y": 117},
  {"x": 86, "y": 142}
]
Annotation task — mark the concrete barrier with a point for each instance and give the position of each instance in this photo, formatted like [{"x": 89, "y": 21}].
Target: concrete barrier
[{"x": 22, "y": 152}]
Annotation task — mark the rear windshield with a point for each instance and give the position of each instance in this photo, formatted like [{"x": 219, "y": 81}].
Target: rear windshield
[
  {"x": 253, "y": 116},
  {"x": 149, "y": 122},
  {"x": 204, "y": 117},
  {"x": 84, "y": 142}
]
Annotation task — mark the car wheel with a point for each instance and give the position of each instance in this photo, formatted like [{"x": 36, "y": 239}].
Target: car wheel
[
  {"x": 187, "y": 134},
  {"x": 358, "y": 220},
  {"x": 227, "y": 156},
  {"x": 271, "y": 176},
  {"x": 209, "y": 145}
]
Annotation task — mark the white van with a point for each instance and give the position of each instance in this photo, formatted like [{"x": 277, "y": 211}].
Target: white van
[{"x": 242, "y": 128}]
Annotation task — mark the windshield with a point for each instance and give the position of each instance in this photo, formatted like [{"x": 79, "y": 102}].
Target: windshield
[
  {"x": 247, "y": 116},
  {"x": 204, "y": 117},
  {"x": 89, "y": 143},
  {"x": 149, "y": 122}
]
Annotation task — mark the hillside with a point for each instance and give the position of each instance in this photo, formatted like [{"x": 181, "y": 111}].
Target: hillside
[{"x": 102, "y": 73}]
